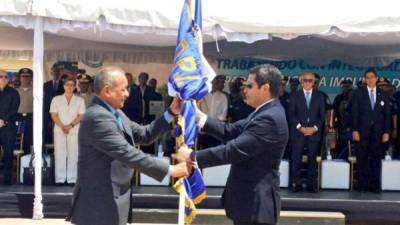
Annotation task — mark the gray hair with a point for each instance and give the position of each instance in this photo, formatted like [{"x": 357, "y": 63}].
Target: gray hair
[
  {"x": 107, "y": 76},
  {"x": 268, "y": 74}
]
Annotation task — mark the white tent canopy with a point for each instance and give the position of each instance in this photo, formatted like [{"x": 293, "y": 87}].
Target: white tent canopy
[{"x": 135, "y": 31}]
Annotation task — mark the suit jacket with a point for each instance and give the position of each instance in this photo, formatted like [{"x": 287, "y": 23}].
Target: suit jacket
[
  {"x": 133, "y": 105},
  {"x": 107, "y": 157},
  {"x": 149, "y": 95},
  {"x": 254, "y": 146},
  {"x": 48, "y": 94},
  {"x": 307, "y": 117},
  {"x": 367, "y": 120}
]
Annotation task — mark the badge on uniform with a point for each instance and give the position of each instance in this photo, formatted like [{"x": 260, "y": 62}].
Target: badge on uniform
[{"x": 382, "y": 103}]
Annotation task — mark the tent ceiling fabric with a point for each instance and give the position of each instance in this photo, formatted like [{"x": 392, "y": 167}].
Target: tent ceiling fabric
[{"x": 351, "y": 31}]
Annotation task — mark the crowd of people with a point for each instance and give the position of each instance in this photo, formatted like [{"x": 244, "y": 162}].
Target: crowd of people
[
  {"x": 364, "y": 120},
  {"x": 65, "y": 99}
]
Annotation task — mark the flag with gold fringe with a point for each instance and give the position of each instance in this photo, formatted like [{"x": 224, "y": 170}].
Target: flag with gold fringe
[{"x": 191, "y": 80}]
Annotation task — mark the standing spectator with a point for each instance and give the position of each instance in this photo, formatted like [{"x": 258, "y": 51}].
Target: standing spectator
[
  {"x": 53, "y": 88},
  {"x": 133, "y": 105},
  {"x": 294, "y": 84},
  {"x": 155, "y": 96},
  {"x": 284, "y": 98},
  {"x": 66, "y": 111},
  {"x": 238, "y": 109},
  {"x": 84, "y": 82},
  {"x": 215, "y": 105},
  {"x": 145, "y": 96},
  {"x": 9, "y": 103},
  {"x": 25, "y": 110},
  {"x": 386, "y": 87},
  {"x": 307, "y": 116},
  {"x": 371, "y": 128},
  {"x": 342, "y": 117}
]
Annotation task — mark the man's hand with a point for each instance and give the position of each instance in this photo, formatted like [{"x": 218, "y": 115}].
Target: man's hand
[
  {"x": 2, "y": 123},
  {"x": 308, "y": 131},
  {"x": 176, "y": 106},
  {"x": 385, "y": 137},
  {"x": 181, "y": 169},
  {"x": 183, "y": 154},
  {"x": 356, "y": 136}
]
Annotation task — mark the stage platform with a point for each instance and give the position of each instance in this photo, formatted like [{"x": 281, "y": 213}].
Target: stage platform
[{"x": 359, "y": 208}]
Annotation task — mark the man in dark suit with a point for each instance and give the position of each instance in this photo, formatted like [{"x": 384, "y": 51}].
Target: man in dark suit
[
  {"x": 307, "y": 117},
  {"x": 51, "y": 88},
  {"x": 146, "y": 94},
  {"x": 371, "y": 128},
  {"x": 133, "y": 105},
  {"x": 9, "y": 103},
  {"x": 254, "y": 147},
  {"x": 107, "y": 154}
]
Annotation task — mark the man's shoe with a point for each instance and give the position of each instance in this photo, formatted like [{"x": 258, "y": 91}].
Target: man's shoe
[{"x": 296, "y": 188}]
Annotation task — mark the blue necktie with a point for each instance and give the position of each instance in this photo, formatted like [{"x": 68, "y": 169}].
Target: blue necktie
[
  {"x": 308, "y": 99},
  {"x": 119, "y": 120},
  {"x": 372, "y": 99}
]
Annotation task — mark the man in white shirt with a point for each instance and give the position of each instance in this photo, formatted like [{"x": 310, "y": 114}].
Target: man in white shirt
[{"x": 215, "y": 105}]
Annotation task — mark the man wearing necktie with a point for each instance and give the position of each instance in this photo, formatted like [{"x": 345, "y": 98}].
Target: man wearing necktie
[
  {"x": 371, "y": 120},
  {"x": 254, "y": 147},
  {"x": 108, "y": 154},
  {"x": 307, "y": 117}
]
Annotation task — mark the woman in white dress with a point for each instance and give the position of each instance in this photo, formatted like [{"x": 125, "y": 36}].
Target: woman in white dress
[{"x": 66, "y": 111}]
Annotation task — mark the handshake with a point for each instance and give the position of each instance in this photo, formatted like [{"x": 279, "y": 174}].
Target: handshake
[{"x": 186, "y": 161}]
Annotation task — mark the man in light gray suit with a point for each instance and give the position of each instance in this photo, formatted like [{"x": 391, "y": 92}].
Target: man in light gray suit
[{"x": 107, "y": 154}]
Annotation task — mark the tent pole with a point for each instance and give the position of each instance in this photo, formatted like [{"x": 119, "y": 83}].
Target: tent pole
[{"x": 38, "y": 52}]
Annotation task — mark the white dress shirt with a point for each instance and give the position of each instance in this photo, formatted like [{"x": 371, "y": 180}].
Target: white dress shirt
[{"x": 215, "y": 105}]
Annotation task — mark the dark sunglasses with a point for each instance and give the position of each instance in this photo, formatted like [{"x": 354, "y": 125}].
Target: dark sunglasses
[
  {"x": 308, "y": 80},
  {"x": 247, "y": 85}
]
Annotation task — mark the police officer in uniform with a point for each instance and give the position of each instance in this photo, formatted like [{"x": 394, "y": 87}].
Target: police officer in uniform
[
  {"x": 385, "y": 86},
  {"x": 85, "y": 82},
  {"x": 342, "y": 117},
  {"x": 284, "y": 98},
  {"x": 25, "y": 110},
  {"x": 9, "y": 103}
]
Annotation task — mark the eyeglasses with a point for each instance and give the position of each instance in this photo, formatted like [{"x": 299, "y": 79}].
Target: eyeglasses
[
  {"x": 2, "y": 76},
  {"x": 308, "y": 80}
]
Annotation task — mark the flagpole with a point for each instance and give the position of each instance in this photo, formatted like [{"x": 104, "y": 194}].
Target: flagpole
[{"x": 181, "y": 212}]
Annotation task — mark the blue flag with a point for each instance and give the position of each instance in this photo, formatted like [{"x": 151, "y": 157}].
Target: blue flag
[
  {"x": 192, "y": 75},
  {"x": 191, "y": 80}
]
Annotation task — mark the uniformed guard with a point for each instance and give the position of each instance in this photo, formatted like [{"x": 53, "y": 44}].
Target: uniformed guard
[
  {"x": 342, "y": 118},
  {"x": 25, "y": 110},
  {"x": 85, "y": 83}
]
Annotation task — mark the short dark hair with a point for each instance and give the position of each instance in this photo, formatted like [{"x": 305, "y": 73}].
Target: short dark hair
[
  {"x": 371, "y": 70},
  {"x": 268, "y": 74},
  {"x": 144, "y": 74},
  {"x": 69, "y": 79}
]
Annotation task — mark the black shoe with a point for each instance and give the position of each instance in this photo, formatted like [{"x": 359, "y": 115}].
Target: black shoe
[
  {"x": 375, "y": 190},
  {"x": 296, "y": 188},
  {"x": 312, "y": 190}
]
